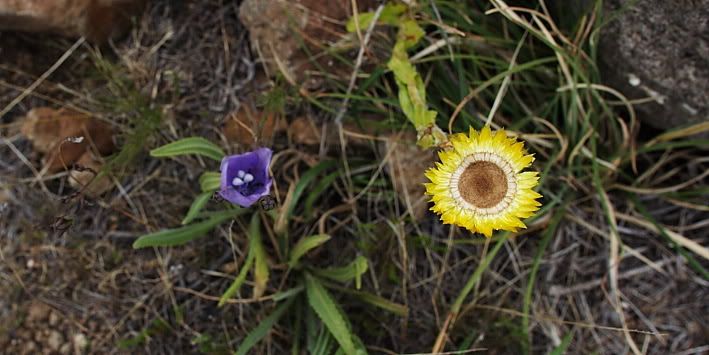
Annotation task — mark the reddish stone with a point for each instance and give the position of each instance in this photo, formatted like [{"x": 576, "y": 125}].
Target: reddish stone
[
  {"x": 280, "y": 29},
  {"x": 97, "y": 20}
]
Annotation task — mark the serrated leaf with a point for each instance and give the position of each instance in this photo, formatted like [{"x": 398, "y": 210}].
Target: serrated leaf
[
  {"x": 345, "y": 273},
  {"x": 185, "y": 234},
  {"x": 263, "y": 328},
  {"x": 324, "y": 306},
  {"x": 304, "y": 245},
  {"x": 199, "y": 202},
  {"x": 189, "y": 145},
  {"x": 210, "y": 181}
]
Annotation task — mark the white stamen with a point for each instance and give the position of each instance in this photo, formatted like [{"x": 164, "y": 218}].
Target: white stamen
[
  {"x": 237, "y": 181},
  {"x": 248, "y": 178},
  {"x": 76, "y": 140},
  {"x": 240, "y": 174}
]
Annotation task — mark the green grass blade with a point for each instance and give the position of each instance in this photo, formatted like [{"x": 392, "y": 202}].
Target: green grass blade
[
  {"x": 323, "y": 185},
  {"x": 323, "y": 304},
  {"x": 184, "y": 234},
  {"x": 199, "y": 202},
  {"x": 263, "y": 328},
  {"x": 477, "y": 274},
  {"x": 190, "y": 145},
  {"x": 305, "y": 180},
  {"x": 693, "y": 263},
  {"x": 304, "y": 245},
  {"x": 561, "y": 349},
  {"x": 288, "y": 293}
]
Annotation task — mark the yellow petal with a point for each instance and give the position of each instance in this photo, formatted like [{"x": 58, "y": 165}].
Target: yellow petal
[{"x": 523, "y": 203}]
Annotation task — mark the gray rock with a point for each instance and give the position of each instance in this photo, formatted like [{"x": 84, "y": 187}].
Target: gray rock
[{"x": 659, "y": 49}]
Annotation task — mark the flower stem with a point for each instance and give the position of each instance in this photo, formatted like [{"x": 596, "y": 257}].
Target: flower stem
[
  {"x": 475, "y": 277},
  {"x": 472, "y": 281}
]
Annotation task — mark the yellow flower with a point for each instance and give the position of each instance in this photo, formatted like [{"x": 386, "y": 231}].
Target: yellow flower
[{"x": 479, "y": 183}]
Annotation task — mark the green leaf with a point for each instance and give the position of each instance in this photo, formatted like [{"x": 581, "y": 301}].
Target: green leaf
[
  {"x": 389, "y": 15},
  {"x": 210, "y": 181},
  {"x": 304, "y": 245},
  {"x": 185, "y": 234},
  {"x": 190, "y": 145},
  {"x": 287, "y": 210},
  {"x": 317, "y": 190},
  {"x": 412, "y": 91},
  {"x": 239, "y": 280},
  {"x": 353, "y": 270},
  {"x": 260, "y": 260},
  {"x": 323, "y": 304},
  {"x": 197, "y": 206},
  {"x": 409, "y": 34},
  {"x": 263, "y": 328}
]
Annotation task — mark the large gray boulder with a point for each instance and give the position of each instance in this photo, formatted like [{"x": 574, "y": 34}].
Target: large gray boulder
[{"x": 659, "y": 49}]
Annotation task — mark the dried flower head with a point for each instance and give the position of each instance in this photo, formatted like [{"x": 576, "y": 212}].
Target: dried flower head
[
  {"x": 479, "y": 184},
  {"x": 245, "y": 177}
]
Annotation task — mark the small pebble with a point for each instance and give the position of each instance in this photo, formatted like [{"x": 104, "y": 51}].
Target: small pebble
[
  {"x": 55, "y": 340},
  {"x": 53, "y": 319}
]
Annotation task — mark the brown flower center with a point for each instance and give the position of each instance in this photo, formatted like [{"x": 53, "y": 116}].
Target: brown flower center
[{"x": 483, "y": 184}]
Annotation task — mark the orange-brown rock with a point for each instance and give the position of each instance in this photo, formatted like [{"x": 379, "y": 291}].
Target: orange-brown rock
[
  {"x": 280, "y": 28},
  {"x": 97, "y": 20},
  {"x": 303, "y": 130},
  {"x": 64, "y": 135},
  {"x": 249, "y": 125},
  {"x": 406, "y": 165},
  {"x": 85, "y": 176}
]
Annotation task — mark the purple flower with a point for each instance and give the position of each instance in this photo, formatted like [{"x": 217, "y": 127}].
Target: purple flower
[{"x": 245, "y": 177}]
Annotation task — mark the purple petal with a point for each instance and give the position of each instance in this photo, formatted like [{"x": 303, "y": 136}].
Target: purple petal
[
  {"x": 235, "y": 197},
  {"x": 255, "y": 163}
]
